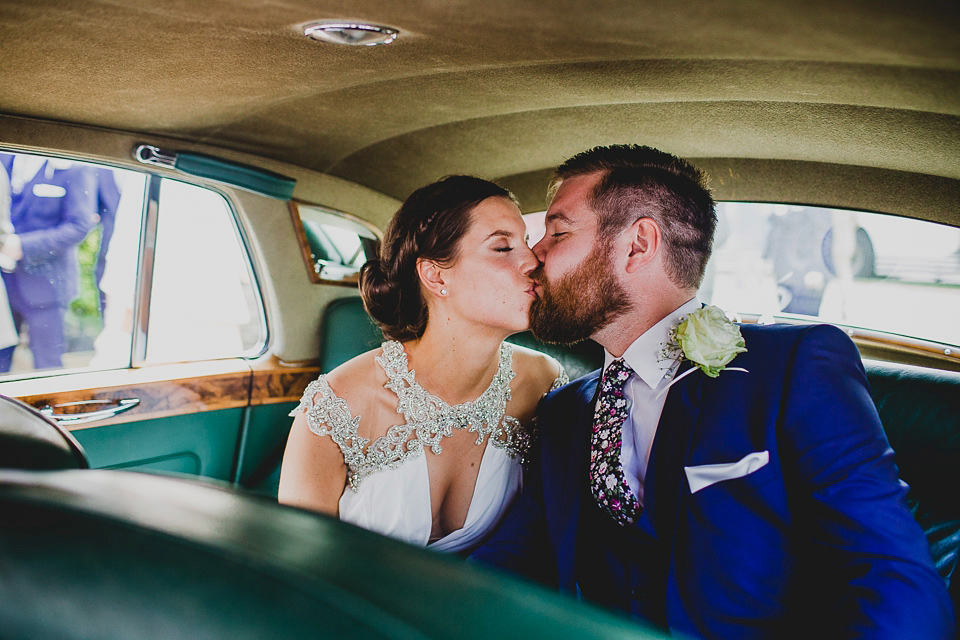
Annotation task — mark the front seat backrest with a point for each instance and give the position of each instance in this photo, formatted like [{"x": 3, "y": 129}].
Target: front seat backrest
[{"x": 30, "y": 440}]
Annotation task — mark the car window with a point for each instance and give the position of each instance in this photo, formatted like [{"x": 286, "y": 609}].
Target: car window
[
  {"x": 78, "y": 261},
  {"x": 59, "y": 218},
  {"x": 853, "y": 268},
  {"x": 334, "y": 245},
  {"x": 203, "y": 303}
]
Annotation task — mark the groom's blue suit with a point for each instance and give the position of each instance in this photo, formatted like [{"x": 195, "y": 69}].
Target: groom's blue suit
[{"x": 819, "y": 538}]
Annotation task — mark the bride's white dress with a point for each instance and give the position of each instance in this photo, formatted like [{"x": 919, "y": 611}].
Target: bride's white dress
[{"x": 388, "y": 486}]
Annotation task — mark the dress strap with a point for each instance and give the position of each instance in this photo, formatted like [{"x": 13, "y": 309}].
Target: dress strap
[
  {"x": 562, "y": 379},
  {"x": 329, "y": 415}
]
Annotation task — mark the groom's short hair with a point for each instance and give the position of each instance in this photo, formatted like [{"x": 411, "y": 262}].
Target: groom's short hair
[{"x": 640, "y": 181}]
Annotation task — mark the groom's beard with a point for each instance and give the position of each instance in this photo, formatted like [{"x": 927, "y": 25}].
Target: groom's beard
[{"x": 579, "y": 303}]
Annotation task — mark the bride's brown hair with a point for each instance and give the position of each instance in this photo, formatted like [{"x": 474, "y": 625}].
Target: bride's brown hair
[{"x": 429, "y": 224}]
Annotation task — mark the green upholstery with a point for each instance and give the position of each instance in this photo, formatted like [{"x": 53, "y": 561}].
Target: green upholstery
[
  {"x": 346, "y": 331},
  {"x": 199, "y": 443},
  {"x": 30, "y": 440},
  {"x": 577, "y": 360},
  {"x": 115, "y": 554},
  {"x": 920, "y": 411}
]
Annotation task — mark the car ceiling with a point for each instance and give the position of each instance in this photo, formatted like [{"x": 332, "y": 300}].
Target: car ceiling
[{"x": 819, "y": 99}]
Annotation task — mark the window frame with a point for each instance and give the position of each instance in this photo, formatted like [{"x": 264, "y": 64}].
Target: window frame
[
  {"x": 145, "y": 273},
  {"x": 306, "y": 254}
]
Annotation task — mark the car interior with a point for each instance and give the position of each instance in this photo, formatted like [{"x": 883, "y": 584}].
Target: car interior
[{"x": 248, "y": 157}]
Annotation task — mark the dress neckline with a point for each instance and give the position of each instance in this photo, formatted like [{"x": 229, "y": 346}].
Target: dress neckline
[
  {"x": 401, "y": 379},
  {"x": 427, "y": 419}
]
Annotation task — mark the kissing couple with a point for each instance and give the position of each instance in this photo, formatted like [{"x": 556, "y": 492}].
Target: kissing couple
[{"x": 712, "y": 479}]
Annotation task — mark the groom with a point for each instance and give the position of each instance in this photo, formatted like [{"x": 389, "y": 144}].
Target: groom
[{"x": 717, "y": 484}]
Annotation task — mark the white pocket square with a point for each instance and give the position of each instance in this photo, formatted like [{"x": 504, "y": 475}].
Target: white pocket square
[
  {"x": 702, "y": 476},
  {"x": 43, "y": 190}
]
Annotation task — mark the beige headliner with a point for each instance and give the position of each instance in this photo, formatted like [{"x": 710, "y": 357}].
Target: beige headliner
[{"x": 843, "y": 103}]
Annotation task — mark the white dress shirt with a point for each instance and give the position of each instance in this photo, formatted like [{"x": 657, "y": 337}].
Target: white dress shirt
[{"x": 646, "y": 392}]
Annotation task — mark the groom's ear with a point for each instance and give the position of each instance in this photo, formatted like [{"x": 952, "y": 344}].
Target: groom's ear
[
  {"x": 644, "y": 239},
  {"x": 431, "y": 275}
]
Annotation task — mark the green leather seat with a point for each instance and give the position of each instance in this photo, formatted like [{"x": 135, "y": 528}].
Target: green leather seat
[
  {"x": 920, "y": 411},
  {"x": 114, "y": 554},
  {"x": 346, "y": 331}
]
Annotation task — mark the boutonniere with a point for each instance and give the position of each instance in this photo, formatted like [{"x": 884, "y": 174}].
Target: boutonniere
[{"x": 708, "y": 339}]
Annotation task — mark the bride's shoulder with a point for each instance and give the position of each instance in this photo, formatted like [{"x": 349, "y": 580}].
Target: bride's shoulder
[
  {"x": 536, "y": 370},
  {"x": 356, "y": 378}
]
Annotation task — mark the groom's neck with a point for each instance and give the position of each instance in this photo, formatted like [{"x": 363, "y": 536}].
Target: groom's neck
[{"x": 644, "y": 312}]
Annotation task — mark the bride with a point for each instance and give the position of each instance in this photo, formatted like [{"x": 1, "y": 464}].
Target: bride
[{"x": 423, "y": 438}]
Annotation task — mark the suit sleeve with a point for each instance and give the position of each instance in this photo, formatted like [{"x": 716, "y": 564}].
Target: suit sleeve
[
  {"x": 881, "y": 576},
  {"x": 521, "y": 544},
  {"x": 78, "y": 217}
]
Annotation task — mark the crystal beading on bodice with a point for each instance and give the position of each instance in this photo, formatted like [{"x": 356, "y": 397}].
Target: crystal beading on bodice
[{"x": 428, "y": 418}]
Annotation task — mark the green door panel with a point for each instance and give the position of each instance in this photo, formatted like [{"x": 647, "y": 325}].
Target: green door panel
[{"x": 202, "y": 444}]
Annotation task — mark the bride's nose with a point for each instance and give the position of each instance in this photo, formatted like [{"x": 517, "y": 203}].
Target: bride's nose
[{"x": 529, "y": 263}]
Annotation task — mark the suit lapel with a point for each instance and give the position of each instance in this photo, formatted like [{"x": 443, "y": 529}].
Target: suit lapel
[
  {"x": 578, "y": 464},
  {"x": 572, "y": 477},
  {"x": 665, "y": 483},
  {"x": 584, "y": 422}
]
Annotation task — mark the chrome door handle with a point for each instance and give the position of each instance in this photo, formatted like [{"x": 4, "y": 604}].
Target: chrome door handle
[{"x": 80, "y": 417}]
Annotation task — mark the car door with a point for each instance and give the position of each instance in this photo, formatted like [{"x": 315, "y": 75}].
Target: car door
[{"x": 160, "y": 315}]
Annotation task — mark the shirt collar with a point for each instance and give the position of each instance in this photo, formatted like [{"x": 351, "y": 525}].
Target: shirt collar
[{"x": 645, "y": 355}]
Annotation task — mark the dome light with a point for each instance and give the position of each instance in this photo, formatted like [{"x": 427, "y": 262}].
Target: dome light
[{"x": 355, "y": 34}]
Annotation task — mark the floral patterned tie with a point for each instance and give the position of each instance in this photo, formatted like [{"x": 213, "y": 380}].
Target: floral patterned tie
[{"x": 607, "y": 482}]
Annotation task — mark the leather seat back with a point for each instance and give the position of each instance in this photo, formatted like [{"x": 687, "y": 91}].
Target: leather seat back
[
  {"x": 30, "y": 440},
  {"x": 920, "y": 412},
  {"x": 346, "y": 331},
  {"x": 117, "y": 554}
]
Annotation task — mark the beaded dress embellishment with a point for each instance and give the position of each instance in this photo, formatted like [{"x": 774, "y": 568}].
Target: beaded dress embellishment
[{"x": 428, "y": 418}]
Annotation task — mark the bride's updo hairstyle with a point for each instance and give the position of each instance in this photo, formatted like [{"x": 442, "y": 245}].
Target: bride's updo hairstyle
[{"x": 429, "y": 225}]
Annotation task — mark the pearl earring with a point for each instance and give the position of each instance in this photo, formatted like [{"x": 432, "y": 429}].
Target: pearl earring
[{"x": 443, "y": 292}]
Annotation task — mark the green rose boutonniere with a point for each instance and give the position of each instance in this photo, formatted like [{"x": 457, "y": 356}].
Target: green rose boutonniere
[{"x": 708, "y": 339}]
